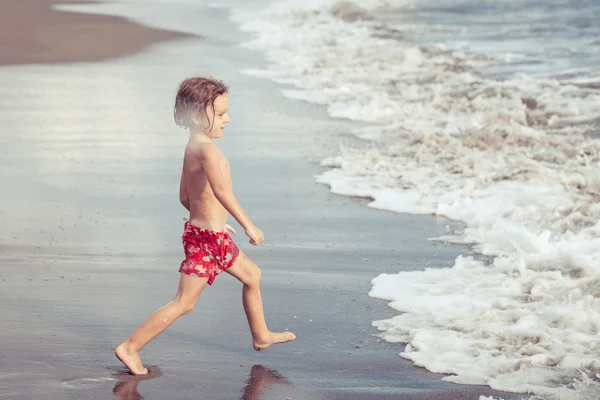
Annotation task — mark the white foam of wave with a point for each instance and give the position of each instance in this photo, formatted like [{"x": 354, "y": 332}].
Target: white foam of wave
[{"x": 509, "y": 158}]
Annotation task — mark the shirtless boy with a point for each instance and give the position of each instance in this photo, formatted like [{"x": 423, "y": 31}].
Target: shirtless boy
[{"x": 206, "y": 192}]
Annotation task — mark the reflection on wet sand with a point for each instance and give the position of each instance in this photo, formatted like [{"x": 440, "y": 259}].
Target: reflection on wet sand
[
  {"x": 259, "y": 381},
  {"x": 126, "y": 387}
]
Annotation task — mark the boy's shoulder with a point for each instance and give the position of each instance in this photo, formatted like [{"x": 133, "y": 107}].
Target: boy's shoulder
[{"x": 203, "y": 150}]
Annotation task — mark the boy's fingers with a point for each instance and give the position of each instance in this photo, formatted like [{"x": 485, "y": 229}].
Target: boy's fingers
[{"x": 229, "y": 228}]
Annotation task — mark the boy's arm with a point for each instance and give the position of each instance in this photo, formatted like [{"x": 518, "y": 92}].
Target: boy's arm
[
  {"x": 183, "y": 195},
  {"x": 209, "y": 158}
]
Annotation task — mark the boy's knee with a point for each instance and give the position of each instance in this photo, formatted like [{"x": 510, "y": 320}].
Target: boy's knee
[
  {"x": 185, "y": 306},
  {"x": 254, "y": 277}
]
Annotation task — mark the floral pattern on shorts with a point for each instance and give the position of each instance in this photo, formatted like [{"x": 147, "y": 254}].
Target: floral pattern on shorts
[{"x": 207, "y": 253}]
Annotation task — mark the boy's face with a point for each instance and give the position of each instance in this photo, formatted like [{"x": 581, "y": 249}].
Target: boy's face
[{"x": 213, "y": 126}]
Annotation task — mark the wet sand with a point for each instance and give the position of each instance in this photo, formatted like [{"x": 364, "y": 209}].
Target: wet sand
[
  {"x": 32, "y": 32},
  {"x": 90, "y": 240}
]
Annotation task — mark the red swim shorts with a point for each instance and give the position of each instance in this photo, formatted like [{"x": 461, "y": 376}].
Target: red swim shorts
[{"x": 207, "y": 253}]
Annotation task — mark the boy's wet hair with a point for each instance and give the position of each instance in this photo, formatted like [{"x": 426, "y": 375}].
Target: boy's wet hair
[{"x": 197, "y": 94}]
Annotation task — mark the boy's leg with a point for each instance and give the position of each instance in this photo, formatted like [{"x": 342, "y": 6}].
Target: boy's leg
[
  {"x": 249, "y": 274},
  {"x": 188, "y": 292}
]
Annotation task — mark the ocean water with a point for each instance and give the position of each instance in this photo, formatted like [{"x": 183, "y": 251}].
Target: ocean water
[{"x": 484, "y": 112}]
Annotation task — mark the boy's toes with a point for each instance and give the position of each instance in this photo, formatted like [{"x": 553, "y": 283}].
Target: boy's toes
[{"x": 287, "y": 337}]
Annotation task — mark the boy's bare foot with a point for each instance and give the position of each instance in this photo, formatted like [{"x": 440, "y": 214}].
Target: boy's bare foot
[
  {"x": 131, "y": 360},
  {"x": 273, "y": 338}
]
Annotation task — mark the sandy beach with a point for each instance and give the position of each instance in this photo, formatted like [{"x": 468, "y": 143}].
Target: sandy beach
[
  {"x": 90, "y": 227},
  {"x": 32, "y": 32}
]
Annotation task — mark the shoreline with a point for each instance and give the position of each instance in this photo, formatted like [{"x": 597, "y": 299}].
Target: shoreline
[
  {"x": 33, "y": 32},
  {"x": 101, "y": 201}
]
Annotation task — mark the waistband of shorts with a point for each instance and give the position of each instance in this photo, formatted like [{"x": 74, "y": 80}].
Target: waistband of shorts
[{"x": 189, "y": 225}]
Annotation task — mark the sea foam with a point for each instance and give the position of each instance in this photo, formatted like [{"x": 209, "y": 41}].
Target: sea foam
[{"x": 514, "y": 159}]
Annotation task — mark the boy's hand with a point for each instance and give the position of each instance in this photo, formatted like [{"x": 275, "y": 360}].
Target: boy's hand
[
  {"x": 228, "y": 228},
  {"x": 256, "y": 236}
]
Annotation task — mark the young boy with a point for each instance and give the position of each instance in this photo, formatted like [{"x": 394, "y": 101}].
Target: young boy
[{"x": 206, "y": 192}]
